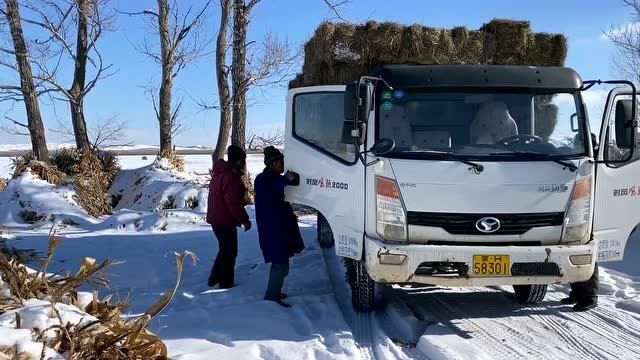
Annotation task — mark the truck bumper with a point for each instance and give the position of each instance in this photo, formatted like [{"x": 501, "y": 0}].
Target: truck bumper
[{"x": 387, "y": 263}]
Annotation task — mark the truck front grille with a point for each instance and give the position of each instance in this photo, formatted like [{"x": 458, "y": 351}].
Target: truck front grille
[
  {"x": 535, "y": 269},
  {"x": 465, "y": 224}
]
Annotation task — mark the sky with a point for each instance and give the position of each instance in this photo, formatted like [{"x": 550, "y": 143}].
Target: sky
[{"x": 122, "y": 95}]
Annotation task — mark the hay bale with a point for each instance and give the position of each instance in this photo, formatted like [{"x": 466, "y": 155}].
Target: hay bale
[
  {"x": 339, "y": 53},
  {"x": 507, "y": 42}
]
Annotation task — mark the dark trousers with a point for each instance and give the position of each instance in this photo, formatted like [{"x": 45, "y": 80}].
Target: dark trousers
[
  {"x": 276, "y": 280},
  {"x": 223, "y": 268},
  {"x": 586, "y": 290}
]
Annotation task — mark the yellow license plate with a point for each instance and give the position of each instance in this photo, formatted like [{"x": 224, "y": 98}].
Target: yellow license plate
[{"x": 491, "y": 265}]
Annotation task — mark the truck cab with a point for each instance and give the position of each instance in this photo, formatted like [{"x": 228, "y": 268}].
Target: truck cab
[{"x": 466, "y": 175}]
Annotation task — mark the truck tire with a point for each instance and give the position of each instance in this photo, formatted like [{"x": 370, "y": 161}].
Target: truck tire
[
  {"x": 325, "y": 235},
  {"x": 530, "y": 294},
  {"x": 366, "y": 294}
]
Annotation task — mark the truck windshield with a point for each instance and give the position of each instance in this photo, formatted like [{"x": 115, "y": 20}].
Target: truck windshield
[{"x": 483, "y": 125}]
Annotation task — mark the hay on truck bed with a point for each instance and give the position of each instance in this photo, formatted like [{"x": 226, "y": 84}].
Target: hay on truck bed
[{"x": 339, "y": 53}]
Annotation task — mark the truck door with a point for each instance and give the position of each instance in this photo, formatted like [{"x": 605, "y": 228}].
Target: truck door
[
  {"x": 331, "y": 175},
  {"x": 617, "y": 188}
]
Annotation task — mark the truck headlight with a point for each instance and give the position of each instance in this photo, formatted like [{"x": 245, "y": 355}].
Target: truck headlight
[
  {"x": 391, "y": 218},
  {"x": 577, "y": 218}
]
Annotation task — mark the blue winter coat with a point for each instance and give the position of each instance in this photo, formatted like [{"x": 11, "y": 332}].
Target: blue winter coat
[{"x": 278, "y": 230}]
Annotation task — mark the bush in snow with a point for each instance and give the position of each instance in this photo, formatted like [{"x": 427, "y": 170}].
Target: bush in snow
[
  {"x": 168, "y": 203},
  {"x": 31, "y": 217},
  {"x": 191, "y": 203}
]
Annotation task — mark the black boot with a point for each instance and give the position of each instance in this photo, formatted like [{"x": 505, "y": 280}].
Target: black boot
[
  {"x": 568, "y": 300},
  {"x": 585, "y": 305}
]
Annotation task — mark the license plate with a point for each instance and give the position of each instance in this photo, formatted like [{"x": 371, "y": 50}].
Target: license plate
[{"x": 491, "y": 265}]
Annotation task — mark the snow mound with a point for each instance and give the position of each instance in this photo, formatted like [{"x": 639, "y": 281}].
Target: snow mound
[
  {"x": 30, "y": 200},
  {"x": 159, "y": 187}
]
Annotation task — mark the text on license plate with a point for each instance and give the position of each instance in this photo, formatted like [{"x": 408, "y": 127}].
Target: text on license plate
[{"x": 491, "y": 265}]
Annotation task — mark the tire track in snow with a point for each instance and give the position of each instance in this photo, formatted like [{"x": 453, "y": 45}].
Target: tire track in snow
[
  {"x": 366, "y": 332},
  {"x": 578, "y": 347},
  {"x": 498, "y": 340}
]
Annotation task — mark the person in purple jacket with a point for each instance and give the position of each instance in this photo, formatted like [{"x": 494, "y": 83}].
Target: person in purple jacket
[{"x": 278, "y": 230}]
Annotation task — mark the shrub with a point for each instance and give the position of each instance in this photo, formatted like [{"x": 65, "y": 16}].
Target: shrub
[
  {"x": 168, "y": 203},
  {"x": 31, "y": 217},
  {"x": 191, "y": 202},
  {"x": 3, "y": 184}
]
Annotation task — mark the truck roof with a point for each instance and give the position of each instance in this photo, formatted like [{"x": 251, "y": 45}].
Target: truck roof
[{"x": 535, "y": 78}]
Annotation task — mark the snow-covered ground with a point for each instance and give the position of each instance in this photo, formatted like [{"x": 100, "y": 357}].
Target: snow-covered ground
[{"x": 418, "y": 323}]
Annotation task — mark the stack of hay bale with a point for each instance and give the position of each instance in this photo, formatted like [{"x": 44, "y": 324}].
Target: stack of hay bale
[{"x": 339, "y": 53}]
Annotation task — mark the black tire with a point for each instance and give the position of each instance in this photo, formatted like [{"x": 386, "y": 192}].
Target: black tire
[
  {"x": 530, "y": 294},
  {"x": 325, "y": 235},
  {"x": 366, "y": 294}
]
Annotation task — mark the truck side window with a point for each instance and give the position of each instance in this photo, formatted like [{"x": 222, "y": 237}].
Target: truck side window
[
  {"x": 612, "y": 152},
  {"x": 317, "y": 121}
]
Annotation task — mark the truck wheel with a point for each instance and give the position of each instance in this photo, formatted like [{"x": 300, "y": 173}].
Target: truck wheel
[
  {"x": 366, "y": 294},
  {"x": 325, "y": 236},
  {"x": 530, "y": 294}
]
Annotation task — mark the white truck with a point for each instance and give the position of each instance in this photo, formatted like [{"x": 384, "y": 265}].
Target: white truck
[{"x": 466, "y": 175}]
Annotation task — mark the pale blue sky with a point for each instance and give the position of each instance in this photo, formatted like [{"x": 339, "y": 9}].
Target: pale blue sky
[{"x": 122, "y": 95}]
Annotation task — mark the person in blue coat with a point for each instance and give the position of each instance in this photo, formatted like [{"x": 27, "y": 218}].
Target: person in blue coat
[{"x": 278, "y": 230}]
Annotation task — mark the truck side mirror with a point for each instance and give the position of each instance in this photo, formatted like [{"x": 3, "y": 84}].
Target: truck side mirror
[
  {"x": 383, "y": 147},
  {"x": 624, "y": 124},
  {"x": 357, "y": 101}
]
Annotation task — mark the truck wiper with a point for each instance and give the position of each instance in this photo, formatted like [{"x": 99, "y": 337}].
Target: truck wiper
[
  {"x": 538, "y": 156},
  {"x": 448, "y": 155}
]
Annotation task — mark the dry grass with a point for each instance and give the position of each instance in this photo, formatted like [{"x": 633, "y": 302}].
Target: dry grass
[
  {"x": 91, "y": 173},
  {"x": 174, "y": 159},
  {"x": 3, "y": 184},
  {"x": 110, "y": 336},
  {"x": 45, "y": 171},
  {"x": 338, "y": 53}
]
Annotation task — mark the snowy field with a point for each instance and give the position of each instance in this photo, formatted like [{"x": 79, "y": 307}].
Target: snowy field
[{"x": 418, "y": 323}]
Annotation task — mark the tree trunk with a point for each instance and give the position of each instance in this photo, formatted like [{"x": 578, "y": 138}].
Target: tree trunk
[
  {"x": 34, "y": 119},
  {"x": 239, "y": 73},
  {"x": 79, "y": 79},
  {"x": 164, "y": 112},
  {"x": 222, "y": 76}
]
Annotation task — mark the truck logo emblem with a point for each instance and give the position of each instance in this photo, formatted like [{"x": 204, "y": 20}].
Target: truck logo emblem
[{"x": 488, "y": 225}]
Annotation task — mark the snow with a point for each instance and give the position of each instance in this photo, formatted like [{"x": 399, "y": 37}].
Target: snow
[{"x": 202, "y": 323}]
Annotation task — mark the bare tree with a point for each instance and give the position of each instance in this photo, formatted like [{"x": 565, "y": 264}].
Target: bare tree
[
  {"x": 626, "y": 60},
  {"x": 222, "y": 75},
  {"x": 27, "y": 89},
  {"x": 103, "y": 132},
  {"x": 72, "y": 29},
  {"x": 272, "y": 66},
  {"x": 257, "y": 142},
  {"x": 180, "y": 45}
]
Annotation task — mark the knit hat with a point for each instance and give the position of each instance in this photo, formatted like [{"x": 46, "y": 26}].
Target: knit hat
[
  {"x": 235, "y": 153},
  {"x": 272, "y": 154}
]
